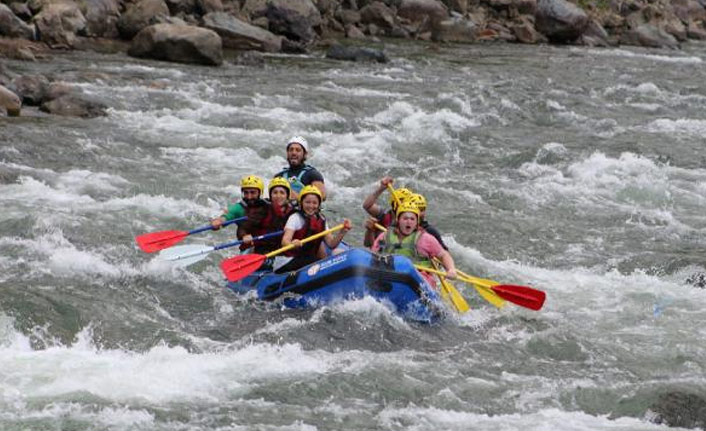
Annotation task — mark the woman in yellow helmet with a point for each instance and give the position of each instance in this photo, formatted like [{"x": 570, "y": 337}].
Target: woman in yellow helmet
[
  {"x": 406, "y": 238},
  {"x": 421, "y": 203},
  {"x": 377, "y": 213},
  {"x": 308, "y": 221}
]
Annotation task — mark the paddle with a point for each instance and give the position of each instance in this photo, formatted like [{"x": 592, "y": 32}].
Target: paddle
[
  {"x": 192, "y": 253},
  {"x": 450, "y": 292},
  {"x": 239, "y": 267},
  {"x": 155, "y": 241},
  {"x": 486, "y": 292},
  {"x": 521, "y": 295}
]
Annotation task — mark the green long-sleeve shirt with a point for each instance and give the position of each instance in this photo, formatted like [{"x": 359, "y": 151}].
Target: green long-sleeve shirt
[{"x": 234, "y": 211}]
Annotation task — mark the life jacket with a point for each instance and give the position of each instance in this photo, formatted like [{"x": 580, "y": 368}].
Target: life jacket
[
  {"x": 312, "y": 225},
  {"x": 274, "y": 221},
  {"x": 256, "y": 213},
  {"x": 387, "y": 219},
  {"x": 406, "y": 247},
  {"x": 295, "y": 181}
]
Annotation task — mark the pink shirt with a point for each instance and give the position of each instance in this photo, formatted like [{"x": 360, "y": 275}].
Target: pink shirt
[{"x": 427, "y": 245}]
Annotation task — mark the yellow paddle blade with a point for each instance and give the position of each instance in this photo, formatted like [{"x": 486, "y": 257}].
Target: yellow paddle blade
[
  {"x": 483, "y": 287},
  {"x": 448, "y": 291}
]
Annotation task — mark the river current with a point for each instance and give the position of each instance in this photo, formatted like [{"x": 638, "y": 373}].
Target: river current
[{"x": 577, "y": 171}]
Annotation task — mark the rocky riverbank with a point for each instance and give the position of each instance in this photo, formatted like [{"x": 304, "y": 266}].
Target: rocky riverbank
[{"x": 197, "y": 31}]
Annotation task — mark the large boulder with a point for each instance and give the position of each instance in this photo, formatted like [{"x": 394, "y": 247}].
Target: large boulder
[
  {"x": 254, "y": 8},
  {"x": 455, "y": 30},
  {"x": 101, "y": 17},
  {"x": 560, "y": 21},
  {"x": 178, "y": 43},
  {"x": 31, "y": 88},
  {"x": 650, "y": 36},
  {"x": 688, "y": 10},
  {"x": 525, "y": 32},
  {"x": 379, "y": 14},
  {"x": 10, "y": 101},
  {"x": 58, "y": 22},
  {"x": 431, "y": 11},
  {"x": 237, "y": 34},
  {"x": 22, "y": 11},
  {"x": 294, "y": 19},
  {"x": 139, "y": 15},
  {"x": 74, "y": 105},
  {"x": 13, "y": 26}
]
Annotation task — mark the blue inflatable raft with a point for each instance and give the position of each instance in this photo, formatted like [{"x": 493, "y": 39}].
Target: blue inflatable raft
[{"x": 353, "y": 274}]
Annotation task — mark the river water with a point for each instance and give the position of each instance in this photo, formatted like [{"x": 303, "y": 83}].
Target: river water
[{"x": 577, "y": 171}]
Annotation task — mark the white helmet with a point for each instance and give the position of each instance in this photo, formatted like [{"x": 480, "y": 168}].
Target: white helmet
[{"x": 298, "y": 140}]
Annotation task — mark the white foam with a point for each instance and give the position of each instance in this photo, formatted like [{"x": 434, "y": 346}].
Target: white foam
[
  {"x": 682, "y": 126},
  {"x": 630, "y": 54}
]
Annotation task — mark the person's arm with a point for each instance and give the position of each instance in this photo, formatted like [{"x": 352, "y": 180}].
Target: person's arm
[
  {"x": 376, "y": 248},
  {"x": 232, "y": 212},
  {"x": 370, "y": 231},
  {"x": 289, "y": 229},
  {"x": 370, "y": 203},
  {"x": 448, "y": 263},
  {"x": 333, "y": 239}
]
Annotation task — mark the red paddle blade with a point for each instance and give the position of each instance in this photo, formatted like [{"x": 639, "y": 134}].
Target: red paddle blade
[
  {"x": 151, "y": 242},
  {"x": 239, "y": 267},
  {"x": 521, "y": 295}
]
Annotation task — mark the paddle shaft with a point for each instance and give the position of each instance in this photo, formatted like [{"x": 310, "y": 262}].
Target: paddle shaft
[
  {"x": 225, "y": 245},
  {"x": 209, "y": 227},
  {"x": 304, "y": 241},
  {"x": 394, "y": 195}
]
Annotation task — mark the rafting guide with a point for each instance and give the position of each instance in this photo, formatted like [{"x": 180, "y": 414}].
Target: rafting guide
[{"x": 299, "y": 173}]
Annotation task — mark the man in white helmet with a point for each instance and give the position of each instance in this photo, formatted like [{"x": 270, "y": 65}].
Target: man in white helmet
[{"x": 298, "y": 172}]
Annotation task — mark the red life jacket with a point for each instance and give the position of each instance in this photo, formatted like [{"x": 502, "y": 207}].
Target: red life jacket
[
  {"x": 387, "y": 219},
  {"x": 312, "y": 225},
  {"x": 274, "y": 221}
]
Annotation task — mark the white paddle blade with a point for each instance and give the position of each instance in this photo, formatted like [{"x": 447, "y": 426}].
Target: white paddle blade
[{"x": 185, "y": 255}]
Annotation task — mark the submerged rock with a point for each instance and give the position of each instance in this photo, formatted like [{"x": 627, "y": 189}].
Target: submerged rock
[
  {"x": 354, "y": 53},
  {"x": 74, "y": 105},
  {"x": 679, "y": 409}
]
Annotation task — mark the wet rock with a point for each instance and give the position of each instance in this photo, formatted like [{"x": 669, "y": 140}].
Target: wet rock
[
  {"x": 13, "y": 26},
  {"x": 139, "y": 15},
  {"x": 423, "y": 11},
  {"x": 650, "y": 36},
  {"x": 595, "y": 35},
  {"x": 560, "y": 21},
  {"x": 294, "y": 46},
  {"x": 208, "y": 6},
  {"x": 696, "y": 31},
  {"x": 181, "y": 6},
  {"x": 353, "y": 32},
  {"x": 21, "y": 10},
  {"x": 679, "y": 409},
  {"x": 178, "y": 43},
  {"x": 74, "y": 105},
  {"x": 10, "y": 101},
  {"x": 254, "y": 8},
  {"x": 21, "y": 49},
  {"x": 237, "y": 34},
  {"x": 101, "y": 17},
  {"x": 378, "y": 14},
  {"x": 354, "y": 53},
  {"x": 347, "y": 16},
  {"x": 294, "y": 19},
  {"x": 58, "y": 22},
  {"x": 676, "y": 28},
  {"x": 525, "y": 32},
  {"x": 455, "y": 30},
  {"x": 250, "y": 58},
  {"x": 57, "y": 90},
  {"x": 32, "y": 89}
]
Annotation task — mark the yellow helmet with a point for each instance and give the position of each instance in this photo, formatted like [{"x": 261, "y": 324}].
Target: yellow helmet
[
  {"x": 407, "y": 207},
  {"x": 253, "y": 182},
  {"x": 402, "y": 194},
  {"x": 310, "y": 190},
  {"x": 419, "y": 200},
  {"x": 279, "y": 182}
]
